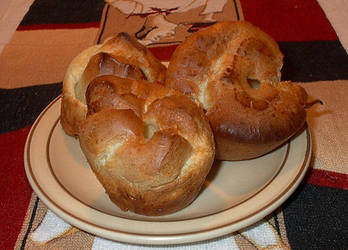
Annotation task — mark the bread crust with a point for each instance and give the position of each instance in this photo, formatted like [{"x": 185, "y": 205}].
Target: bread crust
[
  {"x": 218, "y": 66},
  {"x": 150, "y": 147},
  {"x": 152, "y": 172},
  {"x": 122, "y": 51}
]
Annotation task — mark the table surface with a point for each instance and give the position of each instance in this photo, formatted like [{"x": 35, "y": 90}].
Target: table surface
[{"x": 41, "y": 37}]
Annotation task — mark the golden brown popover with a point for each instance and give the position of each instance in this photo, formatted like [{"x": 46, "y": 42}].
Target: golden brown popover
[
  {"x": 233, "y": 70},
  {"x": 151, "y": 147}
]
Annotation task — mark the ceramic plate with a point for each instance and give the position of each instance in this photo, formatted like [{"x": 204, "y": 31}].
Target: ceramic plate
[{"x": 235, "y": 194}]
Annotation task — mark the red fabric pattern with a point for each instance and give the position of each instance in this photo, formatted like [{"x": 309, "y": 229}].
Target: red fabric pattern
[
  {"x": 59, "y": 26},
  {"x": 295, "y": 20},
  {"x": 327, "y": 179},
  {"x": 16, "y": 191},
  {"x": 163, "y": 53}
]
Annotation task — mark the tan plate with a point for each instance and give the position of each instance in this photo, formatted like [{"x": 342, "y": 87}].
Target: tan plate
[{"x": 236, "y": 194}]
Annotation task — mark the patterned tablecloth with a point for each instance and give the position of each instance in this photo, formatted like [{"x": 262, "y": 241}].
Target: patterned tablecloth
[{"x": 39, "y": 42}]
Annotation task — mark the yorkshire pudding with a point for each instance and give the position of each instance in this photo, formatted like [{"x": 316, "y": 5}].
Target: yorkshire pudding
[
  {"x": 120, "y": 55},
  {"x": 151, "y": 147},
  {"x": 233, "y": 69}
]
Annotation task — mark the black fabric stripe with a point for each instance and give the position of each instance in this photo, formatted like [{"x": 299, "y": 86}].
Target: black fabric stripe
[
  {"x": 103, "y": 24},
  {"x": 276, "y": 222},
  {"x": 236, "y": 9},
  {"x": 20, "y": 107},
  {"x": 33, "y": 214},
  {"x": 314, "y": 61},
  {"x": 63, "y": 11},
  {"x": 316, "y": 218}
]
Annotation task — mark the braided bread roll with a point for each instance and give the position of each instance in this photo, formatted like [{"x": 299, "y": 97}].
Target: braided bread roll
[
  {"x": 218, "y": 66},
  {"x": 120, "y": 55},
  {"x": 151, "y": 147}
]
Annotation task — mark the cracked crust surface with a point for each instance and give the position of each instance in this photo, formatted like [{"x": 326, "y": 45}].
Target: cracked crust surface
[{"x": 233, "y": 70}]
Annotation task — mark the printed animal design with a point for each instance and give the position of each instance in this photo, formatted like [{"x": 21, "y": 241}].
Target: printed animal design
[{"x": 155, "y": 12}]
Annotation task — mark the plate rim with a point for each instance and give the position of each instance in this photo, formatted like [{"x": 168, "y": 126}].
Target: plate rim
[{"x": 160, "y": 239}]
